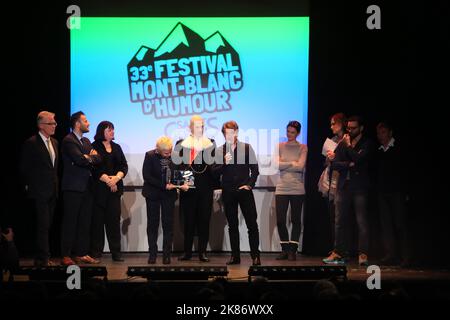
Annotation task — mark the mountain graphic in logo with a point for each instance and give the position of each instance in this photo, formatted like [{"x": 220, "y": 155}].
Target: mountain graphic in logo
[{"x": 185, "y": 74}]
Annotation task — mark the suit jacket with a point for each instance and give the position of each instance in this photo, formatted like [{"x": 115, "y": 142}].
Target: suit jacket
[
  {"x": 37, "y": 171},
  {"x": 353, "y": 177},
  {"x": 77, "y": 170},
  {"x": 155, "y": 178},
  {"x": 236, "y": 174}
]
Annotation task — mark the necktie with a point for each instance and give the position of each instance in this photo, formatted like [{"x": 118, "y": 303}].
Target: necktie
[
  {"x": 193, "y": 155},
  {"x": 50, "y": 150}
]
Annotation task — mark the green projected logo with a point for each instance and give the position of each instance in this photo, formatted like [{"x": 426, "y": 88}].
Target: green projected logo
[{"x": 185, "y": 74}]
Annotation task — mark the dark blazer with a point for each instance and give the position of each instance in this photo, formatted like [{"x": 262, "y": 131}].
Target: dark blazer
[
  {"x": 235, "y": 175},
  {"x": 355, "y": 177},
  {"x": 155, "y": 178},
  {"x": 37, "y": 171},
  {"x": 110, "y": 164},
  {"x": 391, "y": 169},
  {"x": 77, "y": 170}
]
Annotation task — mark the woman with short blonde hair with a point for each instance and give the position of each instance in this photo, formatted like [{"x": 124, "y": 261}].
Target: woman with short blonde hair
[
  {"x": 160, "y": 195},
  {"x": 164, "y": 143}
]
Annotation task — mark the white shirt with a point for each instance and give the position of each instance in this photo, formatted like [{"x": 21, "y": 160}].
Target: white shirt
[
  {"x": 49, "y": 147},
  {"x": 390, "y": 145},
  {"x": 78, "y": 137}
]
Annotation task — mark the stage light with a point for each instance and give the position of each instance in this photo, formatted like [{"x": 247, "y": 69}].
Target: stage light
[
  {"x": 59, "y": 273},
  {"x": 297, "y": 272},
  {"x": 177, "y": 273}
]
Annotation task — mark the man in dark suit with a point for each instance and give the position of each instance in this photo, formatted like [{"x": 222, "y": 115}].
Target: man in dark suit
[
  {"x": 79, "y": 158},
  {"x": 39, "y": 168},
  {"x": 239, "y": 171}
]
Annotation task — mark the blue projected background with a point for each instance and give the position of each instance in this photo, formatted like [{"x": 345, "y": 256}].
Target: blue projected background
[{"x": 150, "y": 75}]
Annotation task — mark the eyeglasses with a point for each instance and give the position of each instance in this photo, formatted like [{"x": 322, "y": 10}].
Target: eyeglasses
[{"x": 50, "y": 123}]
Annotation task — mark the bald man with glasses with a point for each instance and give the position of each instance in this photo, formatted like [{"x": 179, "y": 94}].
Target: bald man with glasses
[{"x": 39, "y": 167}]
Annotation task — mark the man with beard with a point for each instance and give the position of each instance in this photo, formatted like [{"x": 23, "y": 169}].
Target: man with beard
[
  {"x": 79, "y": 158},
  {"x": 351, "y": 160}
]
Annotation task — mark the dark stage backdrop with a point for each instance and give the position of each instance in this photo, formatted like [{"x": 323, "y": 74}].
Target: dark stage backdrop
[{"x": 390, "y": 74}]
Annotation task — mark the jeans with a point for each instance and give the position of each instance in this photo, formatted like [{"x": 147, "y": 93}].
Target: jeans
[{"x": 345, "y": 200}]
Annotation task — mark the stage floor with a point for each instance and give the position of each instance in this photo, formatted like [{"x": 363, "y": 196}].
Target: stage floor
[{"x": 117, "y": 271}]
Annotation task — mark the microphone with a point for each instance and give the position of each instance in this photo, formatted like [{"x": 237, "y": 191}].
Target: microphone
[
  {"x": 228, "y": 150},
  {"x": 228, "y": 147}
]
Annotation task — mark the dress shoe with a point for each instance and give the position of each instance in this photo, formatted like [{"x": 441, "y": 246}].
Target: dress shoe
[
  {"x": 166, "y": 260},
  {"x": 67, "y": 261},
  {"x": 43, "y": 263},
  {"x": 234, "y": 260},
  {"x": 203, "y": 258},
  {"x": 185, "y": 257},
  {"x": 87, "y": 260},
  {"x": 117, "y": 257},
  {"x": 292, "y": 256},
  {"x": 256, "y": 261},
  {"x": 282, "y": 256},
  {"x": 151, "y": 260}
]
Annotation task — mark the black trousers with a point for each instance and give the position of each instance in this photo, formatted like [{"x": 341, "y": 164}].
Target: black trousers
[
  {"x": 45, "y": 209},
  {"x": 282, "y": 204},
  {"x": 246, "y": 200},
  {"x": 196, "y": 206},
  {"x": 161, "y": 209},
  {"x": 394, "y": 224},
  {"x": 106, "y": 217},
  {"x": 76, "y": 223}
]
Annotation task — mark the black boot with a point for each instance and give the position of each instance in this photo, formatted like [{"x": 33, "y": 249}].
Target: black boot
[
  {"x": 185, "y": 257},
  {"x": 234, "y": 260},
  {"x": 256, "y": 261},
  {"x": 284, "y": 252},
  {"x": 292, "y": 253},
  {"x": 117, "y": 256}
]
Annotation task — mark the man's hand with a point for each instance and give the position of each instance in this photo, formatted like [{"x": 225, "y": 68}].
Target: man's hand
[
  {"x": 113, "y": 188},
  {"x": 228, "y": 158},
  {"x": 347, "y": 140},
  {"x": 245, "y": 187},
  {"x": 217, "y": 194},
  {"x": 93, "y": 152},
  {"x": 9, "y": 235},
  {"x": 184, "y": 187}
]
